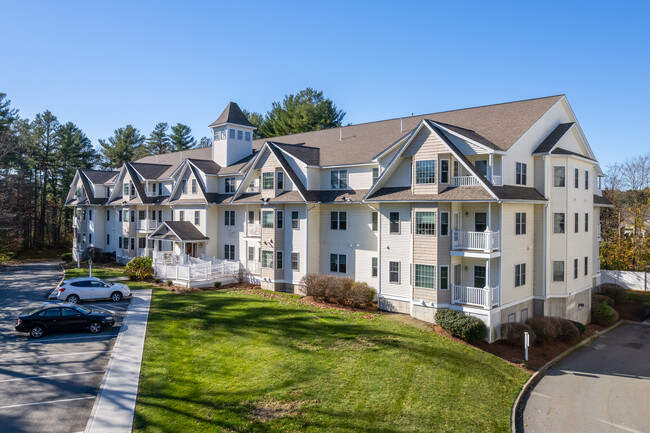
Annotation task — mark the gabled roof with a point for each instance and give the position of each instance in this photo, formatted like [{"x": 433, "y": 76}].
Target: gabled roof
[
  {"x": 560, "y": 151},
  {"x": 292, "y": 174},
  {"x": 553, "y": 138},
  {"x": 150, "y": 171},
  {"x": 472, "y": 135},
  {"x": 206, "y": 166},
  {"x": 308, "y": 155},
  {"x": 232, "y": 114},
  {"x": 99, "y": 176},
  {"x": 180, "y": 231},
  {"x": 600, "y": 200}
]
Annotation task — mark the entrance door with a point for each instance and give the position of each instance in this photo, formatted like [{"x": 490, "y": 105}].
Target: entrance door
[
  {"x": 479, "y": 276},
  {"x": 457, "y": 271},
  {"x": 480, "y": 221},
  {"x": 190, "y": 249}
]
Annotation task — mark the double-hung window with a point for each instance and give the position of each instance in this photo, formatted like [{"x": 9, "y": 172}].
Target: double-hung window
[
  {"x": 194, "y": 186},
  {"x": 232, "y": 133},
  {"x": 444, "y": 223},
  {"x": 586, "y": 222},
  {"x": 125, "y": 189},
  {"x": 267, "y": 219},
  {"x": 558, "y": 223},
  {"x": 520, "y": 274},
  {"x": 393, "y": 272},
  {"x": 520, "y": 223},
  {"x": 425, "y": 276},
  {"x": 278, "y": 260},
  {"x": 375, "y": 221},
  {"x": 229, "y": 218},
  {"x": 141, "y": 215},
  {"x": 339, "y": 179},
  {"x": 425, "y": 171},
  {"x": 520, "y": 173},
  {"x": 444, "y": 171},
  {"x": 240, "y": 134},
  {"x": 267, "y": 180},
  {"x": 576, "y": 223},
  {"x": 133, "y": 216},
  {"x": 375, "y": 175},
  {"x": 586, "y": 179},
  {"x": 576, "y": 180},
  {"x": 559, "y": 176},
  {"x": 181, "y": 215},
  {"x": 295, "y": 261},
  {"x": 229, "y": 184},
  {"x": 575, "y": 268},
  {"x": 586, "y": 265},
  {"x": 197, "y": 217},
  {"x": 374, "y": 265},
  {"x": 338, "y": 263},
  {"x": 295, "y": 219},
  {"x": 393, "y": 223},
  {"x": 444, "y": 277},
  {"x": 339, "y": 220},
  {"x": 558, "y": 270},
  {"x": 279, "y": 180},
  {"x": 126, "y": 215},
  {"x": 279, "y": 220},
  {"x": 184, "y": 186},
  {"x": 267, "y": 259},
  {"x": 425, "y": 223},
  {"x": 108, "y": 215},
  {"x": 229, "y": 252},
  {"x": 248, "y": 136}
]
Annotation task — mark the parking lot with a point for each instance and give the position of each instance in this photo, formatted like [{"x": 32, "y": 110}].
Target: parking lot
[{"x": 48, "y": 384}]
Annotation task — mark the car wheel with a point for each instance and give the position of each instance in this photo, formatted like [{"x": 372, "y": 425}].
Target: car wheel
[
  {"x": 95, "y": 327},
  {"x": 116, "y": 296},
  {"x": 36, "y": 332},
  {"x": 72, "y": 299}
]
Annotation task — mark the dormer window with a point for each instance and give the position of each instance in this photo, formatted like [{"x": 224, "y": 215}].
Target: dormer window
[
  {"x": 425, "y": 171},
  {"x": 184, "y": 186},
  {"x": 339, "y": 179},
  {"x": 240, "y": 134},
  {"x": 375, "y": 174},
  {"x": 248, "y": 136},
  {"x": 194, "y": 190},
  {"x": 219, "y": 134},
  {"x": 280, "y": 180},
  {"x": 229, "y": 184},
  {"x": 132, "y": 189},
  {"x": 126, "y": 189},
  {"x": 78, "y": 191},
  {"x": 232, "y": 133}
]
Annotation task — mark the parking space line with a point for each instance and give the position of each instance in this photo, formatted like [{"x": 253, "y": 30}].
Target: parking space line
[
  {"x": 47, "y": 402},
  {"x": 51, "y": 375},
  {"x": 54, "y": 355},
  {"x": 44, "y": 340}
]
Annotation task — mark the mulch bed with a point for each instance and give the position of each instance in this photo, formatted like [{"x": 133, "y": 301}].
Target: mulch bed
[
  {"x": 311, "y": 301},
  {"x": 631, "y": 310}
]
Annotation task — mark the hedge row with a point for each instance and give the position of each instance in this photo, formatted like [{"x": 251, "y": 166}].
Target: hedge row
[
  {"x": 470, "y": 329},
  {"x": 542, "y": 330},
  {"x": 337, "y": 290}
]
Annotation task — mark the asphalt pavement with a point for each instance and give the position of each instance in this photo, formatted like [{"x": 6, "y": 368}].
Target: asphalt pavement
[
  {"x": 48, "y": 384},
  {"x": 602, "y": 387}
]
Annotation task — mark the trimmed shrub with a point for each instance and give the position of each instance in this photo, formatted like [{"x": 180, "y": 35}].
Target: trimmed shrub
[
  {"x": 109, "y": 257},
  {"x": 614, "y": 291},
  {"x": 361, "y": 294},
  {"x": 217, "y": 284},
  {"x": 139, "y": 269},
  {"x": 338, "y": 288},
  {"x": 314, "y": 286},
  {"x": 66, "y": 257},
  {"x": 513, "y": 333},
  {"x": 546, "y": 328},
  {"x": 470, "y": 329},
  {"x": 157, "y": 281},
  {"x": 169, "y": 282},
  {"x": 580, "y": 326},
  {"x": 568, "y": 331},
  {"x": 597, "y": 298},
  {"x": 604, "y": 315}
]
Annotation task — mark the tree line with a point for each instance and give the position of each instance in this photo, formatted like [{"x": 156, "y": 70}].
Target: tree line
[
  {"x": 626, "y": 227},
  {"x": 39, "y": 158}
]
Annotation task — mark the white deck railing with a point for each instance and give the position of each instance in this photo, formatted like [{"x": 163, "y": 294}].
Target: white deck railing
[
  {"x": 254, "y": 267},
  {"x": 192, "y": 272},
  {"x": 253, "y": 229},
  {"x": 480, "y": 297},
  {"x": 147, "y": 224},
  {"x": 465, "y": 181},
  {"x": 483, "y": 241}
]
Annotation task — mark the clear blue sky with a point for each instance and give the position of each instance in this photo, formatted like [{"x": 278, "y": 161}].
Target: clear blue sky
[{"x": 105, "y": 64}]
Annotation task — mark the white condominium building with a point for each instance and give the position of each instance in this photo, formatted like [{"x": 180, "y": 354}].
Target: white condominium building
[{"x": 492, "y": 210}]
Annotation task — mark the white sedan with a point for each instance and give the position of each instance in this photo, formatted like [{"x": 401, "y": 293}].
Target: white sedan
[{"x": 84, "y": 288}]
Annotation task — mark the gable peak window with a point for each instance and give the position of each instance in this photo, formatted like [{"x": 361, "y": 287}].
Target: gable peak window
[
  {"x": 425, "y": 171},
  {"x": 194, "y": 186},
  {"x": 279, "y": 180},
  {"x": 267, "y": 180},
  {"x": 375, "y": 174},
  {"x": 184, "y": 186}
]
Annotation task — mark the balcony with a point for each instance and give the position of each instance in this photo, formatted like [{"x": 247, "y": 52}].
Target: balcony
[
  {"x": 464, "y": 181},
  {"x": 484, "y": 297},
  {"x": 147, "y": 225},
  {"x": 254, "y": 267},
  {"x": 253, "y": 229},
  {"x": 486, "y": 241}
]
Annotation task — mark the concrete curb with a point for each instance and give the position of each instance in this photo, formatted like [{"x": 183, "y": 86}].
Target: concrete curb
[
  {"x": 114, "y": 407},
  {"x": 517, "y": 408}
]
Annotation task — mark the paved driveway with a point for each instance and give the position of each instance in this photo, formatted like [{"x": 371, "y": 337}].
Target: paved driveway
[
  {"x": 49, "y": 384},
  {"x": 603, "y": 387}
]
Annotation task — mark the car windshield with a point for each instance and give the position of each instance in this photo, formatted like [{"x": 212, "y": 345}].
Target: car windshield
[
  {"x": 34, "y": 311},
  {"x": 83, "y": 309}
]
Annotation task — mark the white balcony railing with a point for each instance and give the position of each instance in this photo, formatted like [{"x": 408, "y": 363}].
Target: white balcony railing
[
  {"x": 253, "y": 229},
  {"x": 465, "y": 181},
  {"x": 147, "y": 225},
  {"x": 254, "y": 267},
  {"x": 486, "y": 241},
  {"x": 484, "y": 297}
]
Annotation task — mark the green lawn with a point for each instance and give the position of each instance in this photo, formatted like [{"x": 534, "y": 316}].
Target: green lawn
[
  {"x": 263, "y": 362},
  {"x": 98, "y": 271}
]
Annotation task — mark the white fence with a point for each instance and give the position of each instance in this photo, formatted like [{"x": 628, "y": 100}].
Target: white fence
[
  {"x": 465, "y": 181},
  {"x": 181, "y": 267},
  {"x": 629, "y": 279}
]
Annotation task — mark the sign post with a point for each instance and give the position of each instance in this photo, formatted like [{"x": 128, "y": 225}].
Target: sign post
[
  {"x": 526, "y": 344},
  {"x": 90, "y": 266}
]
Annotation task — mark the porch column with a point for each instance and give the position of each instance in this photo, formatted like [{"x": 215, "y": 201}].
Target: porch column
[
  {"x": 487, "y": 273},
  {"x": 491, "y": 158}
]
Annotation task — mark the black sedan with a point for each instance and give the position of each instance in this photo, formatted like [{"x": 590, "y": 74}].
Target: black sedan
[{"x": 62, "y": 317}]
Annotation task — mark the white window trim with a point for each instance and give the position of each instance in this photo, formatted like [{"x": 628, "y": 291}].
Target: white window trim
[
  {"x": 439, "y": 231},
  {"x": 338, "y": 220},
  {"x": 435, "y": 277},
  {"x": 399, "y": 272},
  {"x": 281, "y": 252},
  {"x": 440, "y": 278},
  {"x": 448, "y": 171},
  {"x": 523, "y": 165},
  {"x": 297, "y": 268},
  {"x": 399, "y": 223}
]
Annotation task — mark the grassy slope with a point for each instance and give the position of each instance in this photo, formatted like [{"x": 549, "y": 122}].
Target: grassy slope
[
  {"x": 98, "y": 271},
  {"x": 211, "y": 357}
]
